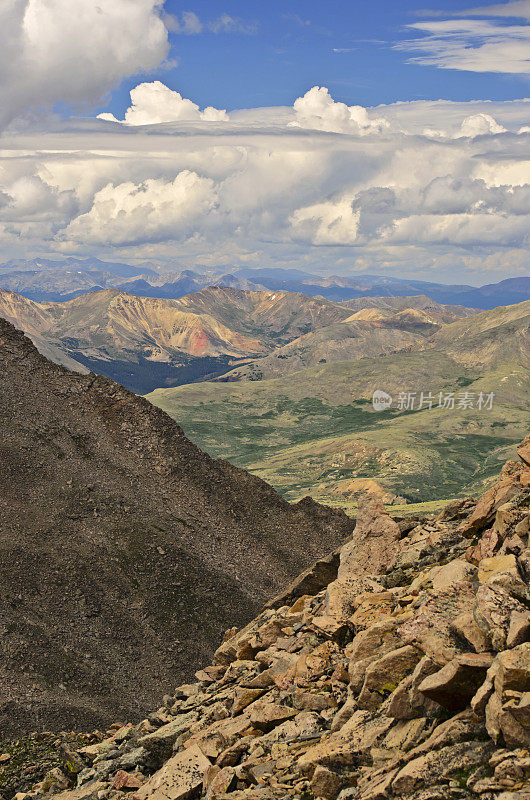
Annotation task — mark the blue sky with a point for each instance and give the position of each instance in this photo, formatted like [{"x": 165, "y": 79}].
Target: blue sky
[{"x": 285, "y": 48}]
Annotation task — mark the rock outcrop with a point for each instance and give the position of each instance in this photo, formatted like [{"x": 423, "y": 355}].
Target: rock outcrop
[
  {"x": 417, "y": 688},
  {"x": 125, "y": 551}
]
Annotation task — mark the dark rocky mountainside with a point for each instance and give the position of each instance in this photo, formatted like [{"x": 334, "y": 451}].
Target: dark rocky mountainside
[
  {"x": 125, "y": 550},
  {"x": 399, "y": 669}
]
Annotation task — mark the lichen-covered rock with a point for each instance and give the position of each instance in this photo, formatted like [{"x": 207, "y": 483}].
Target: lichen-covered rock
[{"x": 385, "y": 674}]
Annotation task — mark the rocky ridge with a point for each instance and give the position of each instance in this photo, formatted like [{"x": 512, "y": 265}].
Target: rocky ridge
[
  {"x": 124, "y": 549},
  {"x": 397, "y": 669}
]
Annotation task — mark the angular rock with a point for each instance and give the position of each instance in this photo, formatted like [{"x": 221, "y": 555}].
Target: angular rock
[
  {"x": 369, "y": 553},
  {"x": 455, "y": 571},
  {"x": 265, "y": 715},
  {"x": 126, "y": 782},
  {"x": 519, "y": 629},
  {"x": 439, "y": 765},
  {"x": 310, "y": 582},
  {"x": 489, "y": 567},
  {"x": 407, "y": 702},
  {"x": 493, "y": 609},
  {"x": 221, "y": 783},
  {"x": 326, "y": 783},
  {"x": 89, "y": 791},
  {"x": 484, "y": 512},
  {"x": 162, "y": 740},
  {"x": 244, "y": 697},
  {"x": 502, "y": 725},
  {"x": 179, "y": 778},
  {"x": 456, "y": 683},
  {"x": 480, "y": 700},
  {"x": 521, "y": 710},
  {"x": 348, "y": 746},
  {"x": 377, "y": 639},
  {"x": 431, "y": 627},
  {"x": 513, "y": 670},
  {"x": 373, "y": 607},
  {"x": 384, "y": 675},
  {"x": 466, "y": 627}
]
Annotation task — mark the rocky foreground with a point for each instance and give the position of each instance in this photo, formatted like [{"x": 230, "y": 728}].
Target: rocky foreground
[{"x": 401, "y": 672}]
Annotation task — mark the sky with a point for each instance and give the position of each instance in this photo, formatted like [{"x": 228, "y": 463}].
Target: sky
[{"x": 344, "y": 137}]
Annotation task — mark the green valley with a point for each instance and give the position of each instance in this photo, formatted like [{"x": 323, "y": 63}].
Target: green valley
[{"x": 314, "y": 431}]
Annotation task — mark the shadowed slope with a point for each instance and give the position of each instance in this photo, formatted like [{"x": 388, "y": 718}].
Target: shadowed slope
[{"x": 124, "y": 550}]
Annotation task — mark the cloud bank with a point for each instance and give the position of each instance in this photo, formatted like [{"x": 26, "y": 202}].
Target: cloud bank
[{"x": 434, "y": 189}]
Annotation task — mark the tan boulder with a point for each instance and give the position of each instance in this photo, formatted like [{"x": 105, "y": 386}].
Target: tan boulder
[
  {"x": 326, "y": 783},
  {"x": 243, "y": 698},
  {"x": 431, "y": 627},
  {"x": 458, "y": 681},
  {"x": 162, "y": 740},
  {"x": 519, "y": 629},
  {"x": 341, "y": 593},
  {"x": 372, "y": 607},
  {"x": 369, "y": 553},
  {"x": 265, "y": 715},
  {"x": 503, "y": 726},
  {"x": 343, "y": 748},
  {"x": 513, "y": 670},
  {"x": 220, "y": 782},
  {"x": 126, "y": 781},
  {"x": 466, "y": 627},
  {"x": 455, "y": 571},
  {"x": 179, "y": 778},
  {"x": 213, "y": 739},
  {"x": 481, "y": 698},
  {"x": 490, "y": 567},
  {"x": 521, "y": 710},
  {"x": 89, "y": 791},
  {"x": 484, "y": 512},
  {"x": 383, "y": 675},
  {"x": 313, "y": 701},
  {"x": 407, "y": 702},
  {"x": 438, "y": 766},
  {"x": 493, "y": 610}
]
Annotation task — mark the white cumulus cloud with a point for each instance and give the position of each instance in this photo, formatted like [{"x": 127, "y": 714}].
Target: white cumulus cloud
[
  {"x": 58, "y": 51},
  {"x": 317, "y": 110},
  {"x": 480, "y": 125},
  {"x": 329, "y": 223},
  {"x": 149, "y": 212},
  {"x": 155, "y": 102}
]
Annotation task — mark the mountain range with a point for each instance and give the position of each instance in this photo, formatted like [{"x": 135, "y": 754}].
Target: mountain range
[
  {"x": 52, "y": 280},
  {"x": 145, "y": 343},
  {"x": 125, "y": 551},
  {"x": 281, "y": 383}
]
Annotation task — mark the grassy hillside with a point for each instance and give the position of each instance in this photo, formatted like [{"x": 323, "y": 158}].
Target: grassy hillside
[{"x": 310, "y": 431}]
